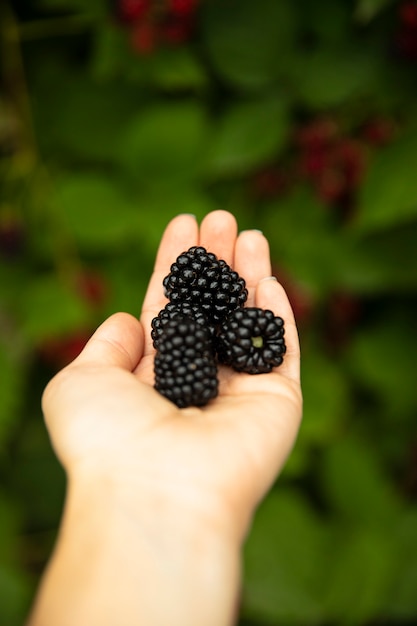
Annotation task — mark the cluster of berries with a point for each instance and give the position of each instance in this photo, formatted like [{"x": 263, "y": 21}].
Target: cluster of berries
[
  {"x": 205, "y": 323},
  {"x": 331, "y": 161},
  {"x": 151, "y": 23}
]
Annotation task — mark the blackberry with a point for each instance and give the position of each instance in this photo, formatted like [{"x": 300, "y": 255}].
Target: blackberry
[
  {"x": 184, "y": 366},
  {"x": 170, "y": 311},
  {"x": 199, "y": 277},
  {"x": 251, "y": 340}
]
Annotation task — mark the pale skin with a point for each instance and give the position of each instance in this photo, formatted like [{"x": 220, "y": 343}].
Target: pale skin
[{"x": 160, "y": 499}]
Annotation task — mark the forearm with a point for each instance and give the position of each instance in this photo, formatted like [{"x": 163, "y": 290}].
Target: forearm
[{"x": 113, "y": 565}]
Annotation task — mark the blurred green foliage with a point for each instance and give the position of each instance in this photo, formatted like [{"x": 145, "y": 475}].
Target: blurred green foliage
[{"x": 300, "y": 118}]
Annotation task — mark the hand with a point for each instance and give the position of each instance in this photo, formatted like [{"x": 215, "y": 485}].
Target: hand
[
  {"x": 216, "y": 462},
  {"x": 159, "y": 499}
]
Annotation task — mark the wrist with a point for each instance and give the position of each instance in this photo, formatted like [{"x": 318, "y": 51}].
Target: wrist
[
  {"x": 155, "y": 504},
  {"x": 178, "y": 558}
]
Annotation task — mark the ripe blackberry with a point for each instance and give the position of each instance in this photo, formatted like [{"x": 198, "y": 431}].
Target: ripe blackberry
[
  {"x": 199, "y": 277},
  {"x": 185, "y": 368},
  {"x": 251, "y": 340},
  {"x": 170, "y": 311}
]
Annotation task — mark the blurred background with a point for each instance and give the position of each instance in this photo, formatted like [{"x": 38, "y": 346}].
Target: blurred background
[{"x": 301, "y": 119}]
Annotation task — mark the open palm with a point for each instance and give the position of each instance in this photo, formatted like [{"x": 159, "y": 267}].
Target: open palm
[{"x": 105, "y": 417}]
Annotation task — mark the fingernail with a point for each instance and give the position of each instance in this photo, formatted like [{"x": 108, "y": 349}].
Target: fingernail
[
  {"x": 188, "y": 215},
  {"x": 252, "y": 230},
  {"x": 269, "y": 278}
]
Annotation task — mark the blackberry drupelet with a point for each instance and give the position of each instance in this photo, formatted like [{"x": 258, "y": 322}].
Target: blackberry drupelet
[
  {"x": 199, "y": 277},
  {"x": 251, "y": 340},
  {"x": 170, "y": 311},
  {"x": 184, "y": 366}
]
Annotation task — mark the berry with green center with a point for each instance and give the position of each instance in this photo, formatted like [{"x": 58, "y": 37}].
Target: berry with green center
[
  {"x": 199, "y": 277},
  {"x": 185, "y": 368},
  {"x": 251, "y": 340}
]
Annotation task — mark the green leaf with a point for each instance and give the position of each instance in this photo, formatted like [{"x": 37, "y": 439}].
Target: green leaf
[
  {"x": 247, "y": 41},
  {"x": 14, "y": 596},
  {"x": 78, "y": 116},
  {"x": 12, "y": 379},
  {"x": 165, "y": 200},
  {"x": 239, "y": 140},
  {"x": 366, "y": 10},
  {"x": 355, "y": 484},
  {"x": 361, "y": 568},
  {"x": 326, "y": 398},
  {"x": 38, "y": 472},
  {"x": 383, "y": 261},
  {"x": 283, "y": 562},
  {"x": 178, "y": 70},
  {"x": 401, "y": 600},
  {"x": 329, "y": 76},
  {"x": 388, "y": 194},
  {"x": 382, "y": 361},
  {"x": 164, "y": 142},
  {"x": 331, "y": 24},
  {"x": 110, "y": 54},
  {"x": 303, "y": 238},
  {"x": 96, "y": 211},
  {"x": 50, "y": 308},
  {"x": 14, "y": 587}
]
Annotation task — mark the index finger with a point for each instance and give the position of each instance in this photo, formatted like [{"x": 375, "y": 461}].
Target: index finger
[{"x": 180, "y": 234}]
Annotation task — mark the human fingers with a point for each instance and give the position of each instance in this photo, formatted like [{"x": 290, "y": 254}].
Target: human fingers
[
  {"x": 252, "y": 260},
  {"x": 218, "y": 233},
  {"x": 117, "y": 342},
  {"x": 180, "y": 234},
  {"x": 270, "y": 294}
]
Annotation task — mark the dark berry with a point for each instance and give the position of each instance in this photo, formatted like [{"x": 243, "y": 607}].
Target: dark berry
[
  {"x": 171, "y": 311},
  {"x": 184, "y": 366},
  {"x": 251, "y": 340},
  {"x": 199, "y": 277}
]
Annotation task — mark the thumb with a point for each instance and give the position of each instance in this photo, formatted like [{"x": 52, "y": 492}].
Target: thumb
[{"x": 118, "y": 342}]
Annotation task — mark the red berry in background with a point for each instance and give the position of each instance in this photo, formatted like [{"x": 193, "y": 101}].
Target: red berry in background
[
  {"x": 317, "y": 135},
  {"x": 314, "y": 161},
  {"x": 350, "y": 154},
  {"x": 174, "y": 31},
  {"x": 407, "y": 44},
  {"x": 408, "y": 14},
  {"x": 330, "y": 185},
  {"x": 60, "y": 351},
  {"x": 92, "y": 287},
  {"x": 342, "y": 313},
  {"x": 143, "y": 37},
  {"x": 406, "y": 38},
  {"x": 332, "y": 163},
  {"x": 300, "y": 296},
  {"x": 379, "y": 131},
  {"x": 182, "y": 8},
  {"x": 130, "y": 11},
  {"x": 270, "y": 182}
]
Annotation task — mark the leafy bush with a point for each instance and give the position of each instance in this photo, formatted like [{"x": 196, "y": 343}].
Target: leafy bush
[{"x": 300, "y": 119}]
